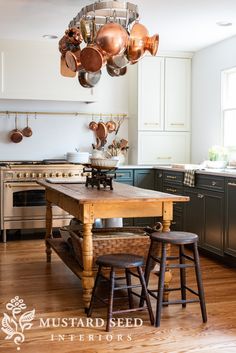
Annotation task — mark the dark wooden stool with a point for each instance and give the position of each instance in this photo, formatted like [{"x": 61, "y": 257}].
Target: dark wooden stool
[
  {"x": 125, "y": 262},
  {"x": 180, "y": 239}
]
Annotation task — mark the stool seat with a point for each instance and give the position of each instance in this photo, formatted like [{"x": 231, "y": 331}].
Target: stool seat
[
  {"x": 120, "y": 260},
  {"x": 179, "y": 238}
]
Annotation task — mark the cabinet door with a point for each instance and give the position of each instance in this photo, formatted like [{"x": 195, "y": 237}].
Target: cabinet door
[
  {"x": 194, "y": 213},
  {"x": 214, "y": 222},
  {"x": 230, "y": 235},
  {"x": 125, "y": 176},
  {"x": 163, "y": 147},
  {"x": 177, "y": 94},
  {"x": 31, "y": 70},
  {"x": 151, "y": 93},
  {"x": 159, "y": 180},
  {"x": 144, "y": 178}
]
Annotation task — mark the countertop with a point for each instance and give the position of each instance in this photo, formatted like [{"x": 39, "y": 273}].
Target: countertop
[{"x": 227, "y": 172}]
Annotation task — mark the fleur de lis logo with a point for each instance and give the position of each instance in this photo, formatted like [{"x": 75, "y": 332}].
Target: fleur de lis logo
[{"x": 14, "y": 324}]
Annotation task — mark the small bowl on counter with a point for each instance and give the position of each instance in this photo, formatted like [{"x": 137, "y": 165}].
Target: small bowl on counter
[
  {"x": 78, "y": 157},
  {"x": 103, "y": 163}
]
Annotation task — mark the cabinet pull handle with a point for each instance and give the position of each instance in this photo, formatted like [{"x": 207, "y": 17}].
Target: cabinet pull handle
[
  {"x": 120, "y": 174},
  {"x": 213, "y": 183},
  {"x": 200, "y": 196},
  {"x": 164, "y": 157},
  {"x": 159, "y": 175},
  {"x": 232, "y": 184},
  {"x": 177, "y": 124},
  {"x": 151, "y": 123},
  {"x": 170, "y": 189},
  {"x": 173, "y": 222},
  {"x": 171, "y": 177}
]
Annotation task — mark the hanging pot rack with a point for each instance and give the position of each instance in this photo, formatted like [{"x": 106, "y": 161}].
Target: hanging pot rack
[{"x": 90, "y": 114}]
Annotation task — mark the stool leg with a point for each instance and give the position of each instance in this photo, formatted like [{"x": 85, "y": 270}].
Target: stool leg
[
  {"x": 146, "y": 295},
  {"x": 111, "y": 296},
  {"x": 161, "y": 283},
  {"x": 199, "y": 283},
  {"x": 90, "y": 309},
  {"x": 147, "y": 271},
  {"x": 128, "y": 281},
  {"x": 182, "y": 274}
]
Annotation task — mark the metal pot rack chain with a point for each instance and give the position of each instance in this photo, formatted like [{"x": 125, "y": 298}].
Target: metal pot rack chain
[{"x": 91, "y": 114}]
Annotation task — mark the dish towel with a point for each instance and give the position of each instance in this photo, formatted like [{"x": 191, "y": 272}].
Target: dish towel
[{"x": 189, "y": 178}]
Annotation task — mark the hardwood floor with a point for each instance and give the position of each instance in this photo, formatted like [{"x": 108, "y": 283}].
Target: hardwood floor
[{"x": 55, "y": 292}]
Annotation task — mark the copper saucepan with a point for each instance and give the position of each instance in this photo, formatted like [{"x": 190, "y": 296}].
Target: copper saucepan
[
  {"x": 89, "y": 79},
  {"x": 92, "y": 58},
  {"x": 64, "y": 69},
  {"x": 16, "y": 135},
  {"x": 27, "y": 131},
  {"x": 112, "y": 38},
  {"x": 73, "y": 60}
]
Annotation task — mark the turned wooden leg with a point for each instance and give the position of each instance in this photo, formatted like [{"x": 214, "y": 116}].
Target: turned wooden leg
[
  {"x": 48, "y": 230},
  {"x": 87, "y": 276},
  {"x": 168, "y": 275}
]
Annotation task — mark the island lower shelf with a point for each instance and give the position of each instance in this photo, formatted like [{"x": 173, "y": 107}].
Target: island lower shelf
[{"x": 62, "y": 250}]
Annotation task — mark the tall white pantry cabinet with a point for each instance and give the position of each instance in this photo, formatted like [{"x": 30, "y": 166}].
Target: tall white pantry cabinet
[{"x": 159, "y": 110}]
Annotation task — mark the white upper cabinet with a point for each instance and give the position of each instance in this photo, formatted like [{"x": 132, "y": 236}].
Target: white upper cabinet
[
  {"x": 164, "y": 94},
  {"x": 31, "y": 70},
  {"x": 177, "y": 94},
  {"x": 151, "y": 93}
]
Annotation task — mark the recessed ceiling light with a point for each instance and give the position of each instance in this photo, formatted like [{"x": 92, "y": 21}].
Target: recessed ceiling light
[
  {"x": 50, "y": 36},
  {"x": 224, "y": 23}
]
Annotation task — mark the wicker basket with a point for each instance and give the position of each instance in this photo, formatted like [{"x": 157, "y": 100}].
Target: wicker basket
[{"x": 112, "y": 241}]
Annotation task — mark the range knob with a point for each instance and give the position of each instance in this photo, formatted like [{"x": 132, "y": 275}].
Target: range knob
[
  {"x": 70, "y": 174},
  {"x": 64, "y": 175},
  {"x": 33, "y": 175},
  {"x": 19, "y": 175},
  {"x": 26, "y": 175},
  {"x": 58, "y": 174},
  {"x": 39, "y": 175},
  {"x": 45, "y": 175},
  {"x": 52, "y": 175}
]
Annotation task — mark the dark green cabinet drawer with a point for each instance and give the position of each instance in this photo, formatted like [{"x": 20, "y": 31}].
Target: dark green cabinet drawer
[
  {"x": 209, "y": 182},
  {"x": 173, "y": 177},
  {"x": 125, "y": 175}
]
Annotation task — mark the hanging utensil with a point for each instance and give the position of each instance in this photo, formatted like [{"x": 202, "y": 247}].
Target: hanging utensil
[
  {"x": 16, "y": 135},
  {"x": 73, "y": 60},
  {"x": 92, "y": 58},
  {"x": 64, "y": 70},
  {"x": 120, "y": 121},
  {"x": 111, "y": 125},
  {"x": 27, "y": 131},
  {"x": 116, "y": 72},
  {"x": 93, "y": 125},
  {"x": 89, "y": 79}
]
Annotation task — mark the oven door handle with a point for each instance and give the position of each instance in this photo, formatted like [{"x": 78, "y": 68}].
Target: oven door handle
[{"x": 20, "y": 184}]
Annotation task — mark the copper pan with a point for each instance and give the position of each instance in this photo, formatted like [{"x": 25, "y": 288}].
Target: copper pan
[
  {"x": 64, "y": 70},
  {"x": 73, "y": 61},
  {"x": 136, "y": 45},
  {"x": 112, "y": 38},
  {"x": 89, "y": 79},
  {"x": 16, "y": 135},
  {"x": 114, "y": 72},
  {"x": 70, "y": 41},
  {"x": 92, "y": 58},
  {"x": 118, "y": 61}
]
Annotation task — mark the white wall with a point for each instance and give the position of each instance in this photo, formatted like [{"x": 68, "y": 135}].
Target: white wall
[
  {"x": 53, "y": 136},
  {"x": 207, "y": 66}
]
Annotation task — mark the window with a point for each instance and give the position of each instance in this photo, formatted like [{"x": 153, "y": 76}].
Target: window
[{"x": 229, "y": 108}]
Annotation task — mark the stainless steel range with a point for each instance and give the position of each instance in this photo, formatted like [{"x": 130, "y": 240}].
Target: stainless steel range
[{"x": 22, "y": 200}]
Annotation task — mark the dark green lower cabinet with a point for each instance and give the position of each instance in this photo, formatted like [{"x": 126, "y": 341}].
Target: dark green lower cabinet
[
  {"x": 204, "y": 215},
  {"x": 125, "y": 176},
  {"x": 230, "y": 219},
  {"x": 145, "y": 179}
]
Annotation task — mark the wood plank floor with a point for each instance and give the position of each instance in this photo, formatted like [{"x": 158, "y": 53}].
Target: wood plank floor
[{"x": 55, "y": 292}]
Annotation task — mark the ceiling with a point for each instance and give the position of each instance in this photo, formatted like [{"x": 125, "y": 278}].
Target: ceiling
[{"x": 186, "y": 25}]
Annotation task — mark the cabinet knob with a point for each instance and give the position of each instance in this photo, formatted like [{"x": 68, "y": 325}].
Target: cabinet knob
[
  {"x": 200, "y": 196},
  {"x": 213, "y": 183}
]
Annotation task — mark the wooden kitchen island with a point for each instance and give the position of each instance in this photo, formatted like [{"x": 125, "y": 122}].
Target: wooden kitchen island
[{"x": 87, "y": 204}]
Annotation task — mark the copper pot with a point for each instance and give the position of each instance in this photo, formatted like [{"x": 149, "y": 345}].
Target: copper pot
[
  {"x": 92, "y": 58},
  {"x": 73, "y": 60},
  {"x": 111, "y": 126},
  {"x": 118, "y": 61},
  {"x": 74, "y": 35},
  {"x": 27, "y": 131},
  {"x": 16, "y": 135},
  {"x": 115, "y": 71},
  {"x": 70, "y": 41},
  {"x": 140, "y": 41},
  {"x": 112, "y": 38},
  {"x": 64, "y": 70},
  {"x": 89, "y": 79},
  {"x": 93, "y": 125}
]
